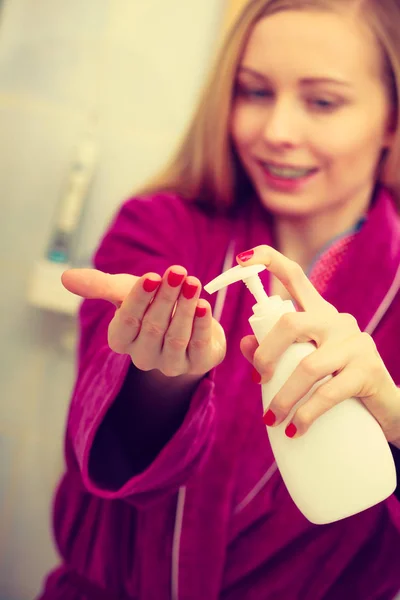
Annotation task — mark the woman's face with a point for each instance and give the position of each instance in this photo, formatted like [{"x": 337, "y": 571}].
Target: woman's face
[{"x": 311, "y": 113}]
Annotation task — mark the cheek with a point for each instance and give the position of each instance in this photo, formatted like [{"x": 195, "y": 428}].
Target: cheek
[
  {"x": 244, "y": 128},
  {"x": 353, "y": 140}
]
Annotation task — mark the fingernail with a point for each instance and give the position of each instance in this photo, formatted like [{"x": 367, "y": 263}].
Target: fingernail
[
  {"x": 269, "y": 418},
  {"x": 291, "y": 430},
  {"x": 175, "y": 279},
  {"x": 201, "y": 311},
  {"x": 255, "y": 375},
  {"x": 149, "y": 285},
  {"x": 189, "y": 290},
  {"x": 245, "y": 256}
]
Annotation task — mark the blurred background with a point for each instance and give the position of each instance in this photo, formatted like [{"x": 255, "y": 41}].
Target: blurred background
[{"x": 119, "y": 77}]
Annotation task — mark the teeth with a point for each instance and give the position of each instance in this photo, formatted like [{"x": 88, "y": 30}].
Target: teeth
[{"x": 287, "y": 172}]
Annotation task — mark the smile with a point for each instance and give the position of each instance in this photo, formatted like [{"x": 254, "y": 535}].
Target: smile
[{"x": 286, "y": 172}]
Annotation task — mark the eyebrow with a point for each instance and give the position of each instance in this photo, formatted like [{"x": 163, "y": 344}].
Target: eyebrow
[{"x": 304, "y": 81}]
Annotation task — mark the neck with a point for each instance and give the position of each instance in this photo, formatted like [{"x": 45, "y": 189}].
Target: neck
[{"x": 301, "y": 239}]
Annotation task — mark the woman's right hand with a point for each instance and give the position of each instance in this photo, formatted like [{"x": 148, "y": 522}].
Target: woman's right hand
[{"x": 159, "y": 321}]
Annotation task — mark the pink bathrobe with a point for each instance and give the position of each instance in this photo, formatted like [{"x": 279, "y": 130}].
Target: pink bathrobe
[{"x": 211, "y": 518}]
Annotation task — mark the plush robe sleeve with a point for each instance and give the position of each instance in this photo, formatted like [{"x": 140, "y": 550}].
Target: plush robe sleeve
[{"x": 149, "y": 234}]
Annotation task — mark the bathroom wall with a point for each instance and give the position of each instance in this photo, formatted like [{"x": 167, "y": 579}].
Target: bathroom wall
[{"x": 131, "y": 70}]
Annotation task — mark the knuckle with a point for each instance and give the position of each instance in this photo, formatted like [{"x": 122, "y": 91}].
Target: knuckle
[
  {"x": 349, "y": 321},
  {"x": 309, "y": 367},
  {"x": 264, "y": 366},
  {"x": 115, "y": 343},
  {"x": 280, "y": 410},
  {"x": 304, "y": 419},
  {"x": 152, "y": 330},
  {"x": 175, "y": 343},
  {"x": 173, "y": 370},
  {"x": 142, "y": 360},
  {"x": 290, "y": 321},
  {"x": 128, "y": 320},
  {"x": 116, "y": 346},
  {"x": 199, "y": 345},
  {"x": 326, "y": 396},
  {"x": 141, "y": 363}
]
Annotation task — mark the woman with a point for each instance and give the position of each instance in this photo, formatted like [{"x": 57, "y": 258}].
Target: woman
[{"x": 292, "y": 160}]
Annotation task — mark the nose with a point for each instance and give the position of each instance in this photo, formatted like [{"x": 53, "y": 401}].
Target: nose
[{"x": 283, "y": 125}]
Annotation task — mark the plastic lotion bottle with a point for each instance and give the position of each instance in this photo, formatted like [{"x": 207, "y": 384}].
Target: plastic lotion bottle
[{"x": 343, "y": 464}]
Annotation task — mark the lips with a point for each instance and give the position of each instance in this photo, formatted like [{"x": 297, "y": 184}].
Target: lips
[{"x": 287, "y": 172}]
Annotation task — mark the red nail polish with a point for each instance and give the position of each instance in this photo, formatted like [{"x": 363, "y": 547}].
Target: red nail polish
[
  {"x": 291, "y": 430},
  {"x": 201, "y": 311},
  {"x": 245, "y": 256},
  {"x": 149, "y": 285},
  {"x": 189, "y": 290},
  {"x": 255, "y": 375},
  {"x": 175, "y": 279},
  {"x": 269, "y": 418}
]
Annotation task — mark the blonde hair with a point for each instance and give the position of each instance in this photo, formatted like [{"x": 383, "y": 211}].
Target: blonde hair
[{"x": 205, "y": 167}]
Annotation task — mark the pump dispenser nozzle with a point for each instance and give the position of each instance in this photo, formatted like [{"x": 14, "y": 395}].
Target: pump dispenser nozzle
[{"x": 249, "y": 276}]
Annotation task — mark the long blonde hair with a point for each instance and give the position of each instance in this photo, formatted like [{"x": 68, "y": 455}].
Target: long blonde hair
[{"x": 205, "y": 167}]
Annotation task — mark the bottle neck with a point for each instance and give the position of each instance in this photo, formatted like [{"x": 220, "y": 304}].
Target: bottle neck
[{"x": 270, "y": 303}]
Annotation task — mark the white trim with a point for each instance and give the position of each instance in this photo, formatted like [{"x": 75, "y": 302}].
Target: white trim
[
  {"x": 256, "y": 489},
  {"x": 180, "y": 505},
  {"x": 219, "y": 303},
  {"x": 176, "y": 544},
  {"x": 385, "y": 304}
]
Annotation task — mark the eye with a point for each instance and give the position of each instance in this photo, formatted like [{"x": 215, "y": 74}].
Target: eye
[
  {"x": 252, "y": 93},
  {"x": 323, "y": 104},
  {"x": 258, "y": 93}
]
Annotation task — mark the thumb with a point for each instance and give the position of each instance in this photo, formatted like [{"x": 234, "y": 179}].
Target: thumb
[{"x": 94, "y": 284}]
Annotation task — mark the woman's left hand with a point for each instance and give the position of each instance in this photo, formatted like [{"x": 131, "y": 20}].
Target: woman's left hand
[{"x": 342, "y": 351}]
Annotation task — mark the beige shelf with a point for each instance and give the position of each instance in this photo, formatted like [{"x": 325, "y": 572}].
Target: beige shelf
[{"x": 46, "y": 291}]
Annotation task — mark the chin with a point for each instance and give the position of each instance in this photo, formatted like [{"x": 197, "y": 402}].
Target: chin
[{"x": 288, "y": 205}]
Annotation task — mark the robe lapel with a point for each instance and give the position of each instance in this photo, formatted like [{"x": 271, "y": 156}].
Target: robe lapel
[{"x": 369, "y": 268}]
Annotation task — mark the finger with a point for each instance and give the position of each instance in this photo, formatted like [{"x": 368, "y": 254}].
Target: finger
[
  {"x": 330, "y": 359},
  {"x": 199, "y": 348},
  {"x": 148, "y": 345},
  {"x": 300, "y": 327},
  {"x": 94, "y": 284},
  {"x": 126, "y": 324},
  {"x": 341, "y": 387},
  {"x": 290, "y": 274},
  {"x": 248, "y": 347},
  {"x": 177, "y": 337}
]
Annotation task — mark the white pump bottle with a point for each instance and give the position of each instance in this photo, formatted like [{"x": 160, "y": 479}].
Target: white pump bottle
[{"x": 343, "y": 464}]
